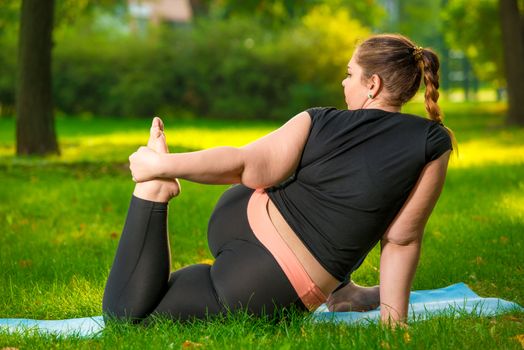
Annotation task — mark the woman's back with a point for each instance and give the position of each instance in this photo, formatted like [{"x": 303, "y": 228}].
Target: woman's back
[{"x": 356, "y": 171}]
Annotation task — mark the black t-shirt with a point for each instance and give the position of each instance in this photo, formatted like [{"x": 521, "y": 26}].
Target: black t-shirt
[{"x": 357, "y": 170}]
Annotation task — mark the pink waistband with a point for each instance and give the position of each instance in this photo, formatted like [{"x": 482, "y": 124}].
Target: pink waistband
[{"x": 263, "y": 228}]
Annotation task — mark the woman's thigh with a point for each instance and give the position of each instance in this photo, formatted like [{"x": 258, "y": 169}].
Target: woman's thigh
[
  {"x": 247, "y": 277},
  {"x": 243, "y": 277}
]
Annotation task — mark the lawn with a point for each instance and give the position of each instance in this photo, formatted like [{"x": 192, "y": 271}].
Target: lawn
[{"x": 60, "y": 220}]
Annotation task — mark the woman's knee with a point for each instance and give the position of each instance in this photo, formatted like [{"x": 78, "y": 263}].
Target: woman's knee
[{"x": 123, "y": 309}]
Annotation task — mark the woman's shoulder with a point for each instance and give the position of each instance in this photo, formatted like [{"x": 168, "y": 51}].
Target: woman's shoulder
[
  {"x": 333, "y": 113},
  {"x": 320, "y": 112},
  {"x": 334, "y": 116},
  {"x": 415, "y": 118},
  {"x": 437, "y": 137}
]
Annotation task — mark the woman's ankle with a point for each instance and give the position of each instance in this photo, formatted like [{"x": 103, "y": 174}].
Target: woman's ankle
[{"x": 154, "y": 191}]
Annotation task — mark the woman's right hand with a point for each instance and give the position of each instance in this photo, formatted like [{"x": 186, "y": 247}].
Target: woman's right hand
[{"x": 144, "y": 164}]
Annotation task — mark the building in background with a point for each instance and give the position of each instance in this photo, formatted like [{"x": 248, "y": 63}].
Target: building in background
[{"x": 155, "y": 12}]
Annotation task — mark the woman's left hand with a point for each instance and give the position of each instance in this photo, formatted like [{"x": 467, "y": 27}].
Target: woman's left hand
[
  {"x": 353, "y": 297},
  {"x": 144, "y": 164}
]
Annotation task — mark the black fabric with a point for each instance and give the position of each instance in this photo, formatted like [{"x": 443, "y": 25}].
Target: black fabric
[
  {"x": 357, "y": 170},
  {"x": 244, "y": 276},
  {"x": 140, "y": 272}
]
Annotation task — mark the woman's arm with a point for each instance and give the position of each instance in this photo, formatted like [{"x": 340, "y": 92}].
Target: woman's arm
[
  {"x": 262, "y": 163},
  {"x": 401, "y": 243}
]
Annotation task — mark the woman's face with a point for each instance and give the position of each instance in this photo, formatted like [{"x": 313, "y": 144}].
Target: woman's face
[{"x": 355, "y": 92}]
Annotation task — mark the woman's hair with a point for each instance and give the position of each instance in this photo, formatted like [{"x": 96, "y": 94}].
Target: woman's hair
[{"x": 400, "y": 64}]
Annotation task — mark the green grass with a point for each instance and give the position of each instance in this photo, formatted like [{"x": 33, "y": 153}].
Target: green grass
[{"x": 60, "y": 219}]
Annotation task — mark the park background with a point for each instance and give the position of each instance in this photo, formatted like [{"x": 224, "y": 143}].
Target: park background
[{"x": 77, "y": 93}]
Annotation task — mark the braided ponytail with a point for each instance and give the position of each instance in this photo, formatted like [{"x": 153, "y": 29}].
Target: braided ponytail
[{"x": 429, "y": 64}]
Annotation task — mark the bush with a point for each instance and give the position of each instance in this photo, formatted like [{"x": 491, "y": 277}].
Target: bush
[{"x": 223, "y": 69}]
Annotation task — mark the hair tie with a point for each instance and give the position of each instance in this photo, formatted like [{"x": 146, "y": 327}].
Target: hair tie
[{"x": 417, "y": 52}]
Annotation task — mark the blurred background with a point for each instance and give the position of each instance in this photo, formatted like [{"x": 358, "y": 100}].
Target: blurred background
[{"x": 266, "y": 59}]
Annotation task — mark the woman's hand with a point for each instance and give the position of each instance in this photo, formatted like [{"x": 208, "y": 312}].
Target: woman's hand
[
  {"x": 144, "y": 164},
  {"x": 353, "y": 297}
]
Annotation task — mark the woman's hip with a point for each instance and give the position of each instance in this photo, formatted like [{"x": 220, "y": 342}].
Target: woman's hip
[{"x": 241, "y": 215}]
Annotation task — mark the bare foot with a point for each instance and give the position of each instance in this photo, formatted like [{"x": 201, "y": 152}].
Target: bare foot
[
  {"x": 353, "y": 297},
  {"x": 157, "y": 138},
  {"x": 158, "y": 190}
]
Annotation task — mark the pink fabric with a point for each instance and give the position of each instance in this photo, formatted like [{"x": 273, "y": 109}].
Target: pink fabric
[{"x": 263, "y": 228}]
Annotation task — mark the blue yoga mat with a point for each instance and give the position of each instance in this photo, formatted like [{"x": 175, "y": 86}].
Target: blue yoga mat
[
  {"x": 454, "y": 300},
  {"x": 82, "y": 327}
]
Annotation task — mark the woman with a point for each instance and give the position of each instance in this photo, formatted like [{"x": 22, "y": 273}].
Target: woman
[{"x": 312, "y": 199}]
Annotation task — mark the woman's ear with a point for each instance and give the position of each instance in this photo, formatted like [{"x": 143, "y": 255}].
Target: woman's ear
[{"x": 375, "y": 85}]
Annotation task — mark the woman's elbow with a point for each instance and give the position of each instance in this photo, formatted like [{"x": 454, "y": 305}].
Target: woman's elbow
[
  {"x": 256, "y": 175},
  {"x": 253, "y": 180}
]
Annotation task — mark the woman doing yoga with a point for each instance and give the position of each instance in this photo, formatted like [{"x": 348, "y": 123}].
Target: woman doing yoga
[{"x": 310, "y": 200}]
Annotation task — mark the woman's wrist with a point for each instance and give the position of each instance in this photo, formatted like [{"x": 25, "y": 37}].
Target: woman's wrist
[{"x": 161, "y": 166}]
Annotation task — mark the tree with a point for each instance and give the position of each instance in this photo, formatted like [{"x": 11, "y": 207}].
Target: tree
[
  {"x": 35, "y": 127},
  {"x": 513, "y": 42},
  {"x": 35, "y": 131}
]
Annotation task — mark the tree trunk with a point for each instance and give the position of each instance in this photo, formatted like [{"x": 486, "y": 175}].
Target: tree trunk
[
  {"x": 513, "y": 44},
  {"x": 35, "y": 128}
]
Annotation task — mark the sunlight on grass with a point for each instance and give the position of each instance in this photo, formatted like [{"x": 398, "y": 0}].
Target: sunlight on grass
[
  {"x": 513, "y": 203},
  {"x": 205, "y": 138},
  {"x": 118, "y": 146},
  {"x": 7, "y": 150},
  {"x": 189, "y": 137},
  {"x": 484, "y": 152}
]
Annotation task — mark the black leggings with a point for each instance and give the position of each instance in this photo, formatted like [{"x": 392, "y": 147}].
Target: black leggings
[{"x": 244, "y": 276}]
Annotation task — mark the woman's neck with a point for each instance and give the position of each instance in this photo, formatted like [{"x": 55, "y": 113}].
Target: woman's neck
[{"x": 377, "y": 104}]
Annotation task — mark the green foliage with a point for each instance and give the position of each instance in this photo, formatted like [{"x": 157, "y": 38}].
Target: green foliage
[
  {"x": 280, "y": 12},
  {"x": 473, "y": 26},
  {"x": 68, "y": 12},
  {"x": 227, "y": 69},
  {"x": 233, "y": 66},
  {"x": 8, "y": 64},
  {"x": 9, "y": 16},
  {"x": 224, "y": 68},
  {"x": 417, "y": 20}
]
